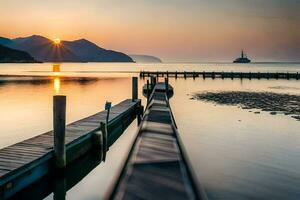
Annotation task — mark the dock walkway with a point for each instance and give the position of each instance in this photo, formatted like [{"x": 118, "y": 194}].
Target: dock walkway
[
  {"x": 25, "y": 162},
  {"x": 222, "y": 75},
  {"x": 157, "y": 166}
]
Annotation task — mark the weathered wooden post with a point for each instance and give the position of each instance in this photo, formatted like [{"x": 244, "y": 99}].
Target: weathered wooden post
[
  {"x": 143, "y": 74},
  {"x": 231, "y": 75},
  {"x": 297, "y": 76},
  {"x": 167, "y": 74},
  {"x": 203, "y": 74},
  {"x": 277, "y": 75},
  {"x": 98, "y": 144},
  {"x": 184, "y": 74},
  {"x": 194, "y": 75},
  {"x": 107, "y": 108},
  {"x": 59, "y": 126},
  {"x": 60, "y": 188},
  {"x": 157, "y": 74},
  {"x": 222, "y": 75},
  {"x": 134, "y": 88},
  {"x": 167, "y": 85},
  {"x": 154, "y": 82},
  {"x": 103, "y": 129},
  {"x": 151, "y": 81},
  {"x": 250, "y": 75},
  {"x": 139, "y": 113},
  {"x": 287, "y": 75},
  {"x": 176, "y": 75},
  {"x": 148, "y": 91},
  {"x": 258, "y": 75},
  {"x": 213, "y": 75}
]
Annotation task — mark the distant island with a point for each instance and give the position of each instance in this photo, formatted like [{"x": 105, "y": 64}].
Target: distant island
[
  {"x": 8, "y": 55},
  {"x": 45, "y": 50},
  {"x": 242, "y": 59},
  {"x": 145, "y": 59}
]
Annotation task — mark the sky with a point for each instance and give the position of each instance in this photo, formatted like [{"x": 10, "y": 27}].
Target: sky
[{"x": 174, "y": 30}]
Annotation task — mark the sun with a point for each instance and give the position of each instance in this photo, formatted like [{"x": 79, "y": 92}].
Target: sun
[{"x": 56, "y": 41}]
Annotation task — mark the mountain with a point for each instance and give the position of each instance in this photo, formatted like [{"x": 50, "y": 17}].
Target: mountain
[
  {"x": 8, "y": 55},
  {"x": 44, "y": 49},
  {"x": 145, "y": 59}
]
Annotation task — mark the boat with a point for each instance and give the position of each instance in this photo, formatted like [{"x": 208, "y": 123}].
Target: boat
[{"x": 242, "y": 59}]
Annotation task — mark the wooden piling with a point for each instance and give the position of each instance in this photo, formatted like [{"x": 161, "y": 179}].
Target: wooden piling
[
  {"x": 288, "y": 76},
  {"x": 184, "y": 74},
  {"x": 103, "y": 130},
  {"x": 203, "y": 74},
  {"x": 148, "y": 91},
  {"x": 59, "y": 126},
  {"x": 134, "y": 88},
  {"x": 231, "y": 75},
  {"x": 140, "y": 111},
  {"x": 167, "y": 85},
  {"x": 154, "y": 81},
  {"x": 222, "y": 75},
  {"x": 98, "y": 144},
  {"x": 213, "y": 76},
  {"x": 297, "y": 76}
]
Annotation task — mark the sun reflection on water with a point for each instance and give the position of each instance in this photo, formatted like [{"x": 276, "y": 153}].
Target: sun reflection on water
[{"x": 56, "y": 85}]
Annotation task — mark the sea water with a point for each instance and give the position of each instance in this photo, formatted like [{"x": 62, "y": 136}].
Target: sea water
[{"x": 235, "y": 154}]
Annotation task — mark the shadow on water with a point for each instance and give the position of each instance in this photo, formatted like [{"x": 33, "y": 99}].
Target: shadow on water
[{"x": 60, "y": 184}]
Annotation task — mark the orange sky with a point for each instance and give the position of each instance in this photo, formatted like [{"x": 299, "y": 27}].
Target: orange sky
[{"x": 174, "y": 30}]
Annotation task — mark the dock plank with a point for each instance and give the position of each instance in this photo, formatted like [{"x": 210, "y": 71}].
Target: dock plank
[
  {"x": 16, "y": 159},
  {"x": 156, "y": 168}
]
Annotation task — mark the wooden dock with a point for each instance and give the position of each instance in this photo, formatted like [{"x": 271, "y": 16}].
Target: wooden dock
[
  {"x": 26, "y": 162},
  {"x": 222, "y": 75},
  {"x": 157, "y": 165}
]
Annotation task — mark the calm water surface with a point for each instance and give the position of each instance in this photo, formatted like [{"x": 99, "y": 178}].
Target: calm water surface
[{"x": 235, "y": 154}]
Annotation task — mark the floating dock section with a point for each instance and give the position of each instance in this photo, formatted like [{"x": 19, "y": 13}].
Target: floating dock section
[{"x": 157, "y": 166}]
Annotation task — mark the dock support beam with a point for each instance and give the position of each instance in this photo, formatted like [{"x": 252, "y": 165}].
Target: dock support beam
[
  {"x": 134, "y": 88},
  {"x": 59, "y": 126}
]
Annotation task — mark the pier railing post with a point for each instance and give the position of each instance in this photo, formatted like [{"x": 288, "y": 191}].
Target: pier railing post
[
  {"x": 59, "y": 126},
  {"x": 134, "y": 88}
]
